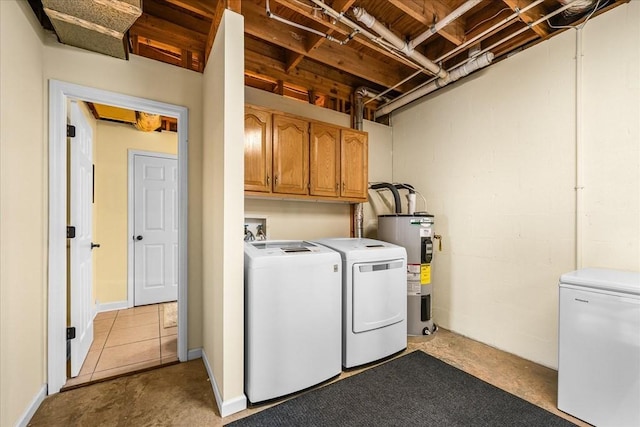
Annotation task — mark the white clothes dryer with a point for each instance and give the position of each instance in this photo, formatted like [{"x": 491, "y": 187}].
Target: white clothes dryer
[
  {"x": 374, "y": 299},
  {"x": 292, "y": 317}
]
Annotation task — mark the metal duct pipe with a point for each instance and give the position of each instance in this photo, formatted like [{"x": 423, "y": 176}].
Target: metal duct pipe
[
  {"x": 578, "y": 6},
  {"x": 464, "y": 8},
  {"x": 361, "y": 93},
  {"x": 455, "y": 74},
  {"x": 371, "y": 22},
  {"x": 392, "y": 188}
]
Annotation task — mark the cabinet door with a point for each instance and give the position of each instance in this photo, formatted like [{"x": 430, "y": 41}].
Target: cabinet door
[
  {"x": 290, "y": 155},
  {"x": 324, "y": 176},
  {"x": 257, "y": 150},
  {"x": 354, "y": 164}
]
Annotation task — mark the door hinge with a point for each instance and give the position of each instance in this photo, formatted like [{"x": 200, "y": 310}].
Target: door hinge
[
  {"x": 71, "y": 131},
  {"x": 71, "y": 232},
  {"x": 71, "y": 333}
]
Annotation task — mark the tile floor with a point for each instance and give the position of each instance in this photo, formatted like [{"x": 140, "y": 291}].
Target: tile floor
[{"x": 127, "y": 340}]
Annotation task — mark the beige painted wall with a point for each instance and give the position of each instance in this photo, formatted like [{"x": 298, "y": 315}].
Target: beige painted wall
[
  {"x": 23, "y": 203},
  {"x": 149, "y": 79},
  {"x": 223, "y": 205},
  {"x": 113, "y": 142},
  {"x": 611, "y": 107},
  {"x": 311, "y": 220},
  {"x": 495, "y": 157}
]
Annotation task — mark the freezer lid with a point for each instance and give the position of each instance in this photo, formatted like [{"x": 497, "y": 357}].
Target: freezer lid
[{"x": 604, "y": 279}]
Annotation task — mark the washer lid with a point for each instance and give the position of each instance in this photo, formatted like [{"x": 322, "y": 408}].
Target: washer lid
[
  {"x": 363, "y": 249},
  {"x": 605, "y": 279}
]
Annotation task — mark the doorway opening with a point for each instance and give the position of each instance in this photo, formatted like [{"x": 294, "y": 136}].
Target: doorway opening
[{"x": 61, "y": 96}]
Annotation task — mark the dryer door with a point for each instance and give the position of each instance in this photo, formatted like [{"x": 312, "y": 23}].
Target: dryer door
[{"x": 379, "y": 294}]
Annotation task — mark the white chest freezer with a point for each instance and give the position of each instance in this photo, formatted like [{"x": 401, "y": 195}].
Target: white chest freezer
[{"x": 599, "y": 347}]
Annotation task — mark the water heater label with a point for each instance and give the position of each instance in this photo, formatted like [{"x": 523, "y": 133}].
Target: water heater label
[
  {"x": 425, "y": 232},
  {"x": 425, "y": 274},
  {"x": 413, "y": 279}
]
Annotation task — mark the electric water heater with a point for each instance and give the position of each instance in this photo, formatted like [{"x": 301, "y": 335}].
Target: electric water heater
[{"x": 415, "y": 233}]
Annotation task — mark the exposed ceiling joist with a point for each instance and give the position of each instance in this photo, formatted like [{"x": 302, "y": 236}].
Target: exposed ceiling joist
[
  {"x": 299, "y": 59},
  {"x": 428, "y": 12},
  {"x": 167, "y": 32}
]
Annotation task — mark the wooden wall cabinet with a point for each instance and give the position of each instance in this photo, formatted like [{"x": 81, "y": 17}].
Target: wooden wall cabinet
[
  {"x": 257, "y": 150},
  {"x": 354, "y": 164},
  {"x": 291, "y": 157},
  {"x": 325, "y": 160}
]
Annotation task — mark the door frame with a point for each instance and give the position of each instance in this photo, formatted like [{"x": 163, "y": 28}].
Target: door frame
[
  {"x": 130, "y": 215},
  {"x": 59, "y": 93}
]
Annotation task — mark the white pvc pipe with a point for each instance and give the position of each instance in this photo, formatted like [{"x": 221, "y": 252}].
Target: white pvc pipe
[
  {"x": 579, "y": 141},
  {"x": 463, "y": 45},
  {"x": 455, "y": 74},
  {"x": 533, "y": 24},
  {"x": 340, "y": 17},
  {"x": 489, "y": 30},
  {"x": 464, "y": 8},
  {"x": 369, "y": 21},
  {"x": 428, "y": 88}
]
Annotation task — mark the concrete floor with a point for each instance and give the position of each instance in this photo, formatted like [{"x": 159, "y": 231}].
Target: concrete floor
[{"x": 181, "y": 394}]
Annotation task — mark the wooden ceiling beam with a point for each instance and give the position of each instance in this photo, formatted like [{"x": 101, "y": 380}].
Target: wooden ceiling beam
[
  {"x": 428, "y": 12},
  {"x": 200, "y": 7},
  {"x": 265, "y": 66},
  {"x": 213, "y": 30},
  {"x": 344, "y": 58},
  {"x": 148, "y": 26},
  {"x": 153, "y": 53},
  {"x": 314, "y": 40},
  {"x": 170, "y": 12},
  {"x": 338, "y": 31},
  {"x": 529, "y": 16}
]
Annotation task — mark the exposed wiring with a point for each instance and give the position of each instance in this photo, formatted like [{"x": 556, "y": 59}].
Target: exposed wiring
[{"x": 488, "y": 19}]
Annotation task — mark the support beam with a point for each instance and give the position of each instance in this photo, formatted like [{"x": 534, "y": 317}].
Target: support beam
[
  {"x": 529, "y": 16},
  {"x": 427, "y": 12},
  {"x": 148, "y": 26},
  {"x": 200, "y": 7},
  {"x": 215, "y": 23},
  {"x": 337, "y": 31},
  {"x": 345, "y": 58}
]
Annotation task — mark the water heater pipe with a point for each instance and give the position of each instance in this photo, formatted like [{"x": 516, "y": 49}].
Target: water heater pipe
[{"x": 394, "y": 191}]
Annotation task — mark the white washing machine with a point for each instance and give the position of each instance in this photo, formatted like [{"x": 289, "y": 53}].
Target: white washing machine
[
  {"x": 292, "y": 317},
  {"x": 374, "y": 290}
]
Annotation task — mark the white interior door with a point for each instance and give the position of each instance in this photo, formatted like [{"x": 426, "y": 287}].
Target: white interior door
[
  {"x": 155, "y": 235},
  {"x": 81, "y": 217}
]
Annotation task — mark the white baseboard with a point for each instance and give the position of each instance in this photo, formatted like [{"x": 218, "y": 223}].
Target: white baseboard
[
  {"x": 194, "y": 353},
  {"x": 110, "y": 306},
  {"x": 23, "y": 421},
  {"x": 230, "y": 406}
]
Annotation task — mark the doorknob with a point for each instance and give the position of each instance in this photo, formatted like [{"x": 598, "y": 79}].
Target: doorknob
[
  {"x": 95, "y": 245},
  {"x": 138, "y": 237}
]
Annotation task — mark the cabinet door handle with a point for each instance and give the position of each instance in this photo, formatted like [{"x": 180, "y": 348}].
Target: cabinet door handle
[
  {"x": 343, "y": 186},
  {"x": 268, "y": 180},
  {"x": 275, "y": 180}
]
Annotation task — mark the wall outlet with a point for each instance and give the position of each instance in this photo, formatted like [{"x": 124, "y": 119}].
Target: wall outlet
[{"x": 253, "y": 225}]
